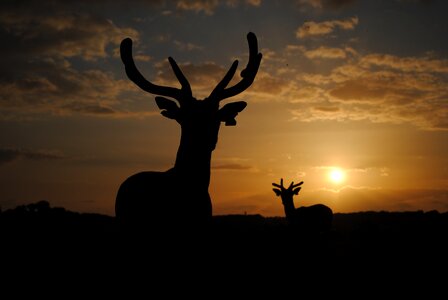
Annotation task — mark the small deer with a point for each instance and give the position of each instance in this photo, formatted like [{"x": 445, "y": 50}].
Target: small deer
[
  {"x": 312, "y": 219},
  {"x": 179, "y": 197}
]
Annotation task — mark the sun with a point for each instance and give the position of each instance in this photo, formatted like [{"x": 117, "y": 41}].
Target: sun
[{"x": 336, "y": 176}]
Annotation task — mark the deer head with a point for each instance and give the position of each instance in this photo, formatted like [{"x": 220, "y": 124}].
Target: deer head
[
  {"x": 287, "y": 194},
  {"x": 199, "y": 119}
]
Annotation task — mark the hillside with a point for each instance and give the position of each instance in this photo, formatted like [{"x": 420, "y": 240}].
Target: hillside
[{"x": 351, "y": 231}]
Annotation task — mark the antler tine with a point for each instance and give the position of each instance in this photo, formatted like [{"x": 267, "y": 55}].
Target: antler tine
[
  {"x": 296, "y": 185},
  {"x": 248, "y": 74},
  {"x": 186, "y": 88},
  {"x": 134, "y": 75},
  {"x": 225, "y": 81},
  {"x": 279, "y": 185}
]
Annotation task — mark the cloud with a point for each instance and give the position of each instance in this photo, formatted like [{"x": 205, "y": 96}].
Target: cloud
[
  {"x": 327, "y": 109},
  {"x": 375, "y": 87},
  {"x": 187, "y": 46},
  {"x": 142, "y": 57},
  {"x": 405, "y": 64},
  {"x": 326, "y": 52},
  {"x": 418, "y": 1},
  {"x": 45, "y": 40},
  {"x": 312, "y": 28},
  {"x": 62, "y": 90},
  {"x": 381, "y": 170},
  {"x": 232, "y": 164},
  {"x": 358, "y": 90},
  {"x": 209, "y": 6},
  {"x": 337, "y": 4},
  {"x": 367, "y": 199},
  {"x": 254, "y": 2},
  {"x": 40, "y": 41},
  {"x": 88, "y": 108},
  {"x": 327, "y": 4},
  {"x": 65, "y": 34},
  {"x": 379, "y": 88},
  {"x": 267, "y": 85},
  {"x": 203, "y": 77},
  {"x": 11, "y": 154},
  {"x": 322, "y": 52},
  {"x": 312, "y": 3}
]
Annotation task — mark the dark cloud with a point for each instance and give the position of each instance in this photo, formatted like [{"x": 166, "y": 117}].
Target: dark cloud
[
  {"x": 417, "y": 1},
  {"x": 327, "y": 4},
  {"x": 61, "y": 90},
  {"x": 88, "y": 108},
  {"x": 204, "y": 74},
  {"x": 63, "y": 34},
  {"x": 337, "y": 4},
  {"x": 186, "y": 46},
  {"x": 11, "y": 154},
  {"x": 39, "y": 42},
  {"x": 43, "y": 42}
]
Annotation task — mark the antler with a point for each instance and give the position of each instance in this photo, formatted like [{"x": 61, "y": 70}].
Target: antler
[
  {"x": 280, "y": 186},
  {"x": 182, "y": 95},
  {"x": 248, "y": 74},
  {"x": 291, "y": 187}
]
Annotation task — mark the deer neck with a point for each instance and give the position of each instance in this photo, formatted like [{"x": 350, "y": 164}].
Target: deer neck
[
  {"x": 194, "y": 159},
  {"x": 289, "y": 207}
]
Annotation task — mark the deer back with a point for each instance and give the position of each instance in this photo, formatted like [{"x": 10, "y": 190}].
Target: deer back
[{"x": 317, "y": 217}]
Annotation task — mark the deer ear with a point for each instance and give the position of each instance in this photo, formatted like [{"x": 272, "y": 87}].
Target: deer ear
[
  {"x": 169, "y": 108},
  {"x": 277, "y": 192},
  {"x": 229, "y": 112},
  {"x": 296, "y": 191}
]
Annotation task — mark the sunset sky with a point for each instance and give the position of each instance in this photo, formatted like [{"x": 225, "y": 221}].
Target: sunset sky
[{"x": 357, "y": 86}]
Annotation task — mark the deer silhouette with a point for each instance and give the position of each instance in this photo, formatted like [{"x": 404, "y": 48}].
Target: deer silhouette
[
  {"x": 179, "y": 197},
  {"x": 311, "y": 219}
]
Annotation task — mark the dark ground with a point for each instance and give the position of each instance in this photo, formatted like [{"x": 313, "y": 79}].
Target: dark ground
[
  {"x": 382, "y": 233},
  {"x": 395, "y": 245}
]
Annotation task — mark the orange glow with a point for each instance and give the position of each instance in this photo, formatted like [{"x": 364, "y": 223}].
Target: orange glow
[{"x": 337, "y": 176}]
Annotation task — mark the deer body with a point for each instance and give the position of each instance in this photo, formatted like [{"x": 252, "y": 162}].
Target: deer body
[
  {"x": 179, "y": 197},
  {"x": 316, "y": 218},
  {"x": 148, "y": 200},
  {"x": 162, "y": 199}
]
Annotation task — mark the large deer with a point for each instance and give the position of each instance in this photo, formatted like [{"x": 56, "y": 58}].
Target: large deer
[
  {"x": 179, "y": 197},
  {"x": 310, "y": 219}
]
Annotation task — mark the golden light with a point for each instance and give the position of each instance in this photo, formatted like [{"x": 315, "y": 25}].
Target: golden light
[{"x": 336, "y": 176}]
